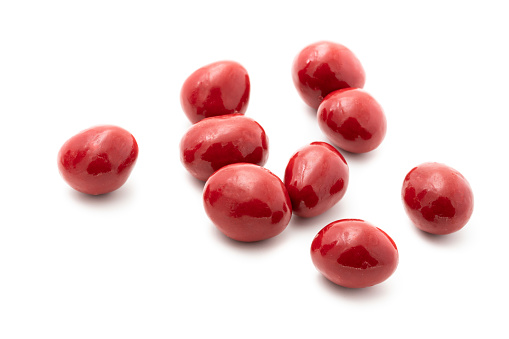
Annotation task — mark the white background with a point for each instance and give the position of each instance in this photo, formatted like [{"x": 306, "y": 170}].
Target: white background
[{"x": 145, "y": 261}]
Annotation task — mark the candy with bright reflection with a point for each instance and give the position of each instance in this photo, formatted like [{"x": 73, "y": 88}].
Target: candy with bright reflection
[
  {"x": 316, "y": 178},
  {"x": 437, "y": 198},
  {"x": 215, "y": 142},
  {"x": 247, "y": 202},
  {"x": 353, "y": 120},
  {"x": 353, "y": 253},
  {"x": 98, "y": 160},
  {"x": 324, "y": 67},
  {"x": 220, "y": 88}
]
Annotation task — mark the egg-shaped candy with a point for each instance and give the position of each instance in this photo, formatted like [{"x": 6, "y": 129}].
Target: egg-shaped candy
[
  {"x": 354, "y": 253},
  {"x": 247, "y": 202},
  {"x": 437, "y": 198},
  {"x": 98, "y": 160},
  {"x": 219, "y": 88},
  {"x": 316, "y": 178},
  {"x": 215, "y": 142}
]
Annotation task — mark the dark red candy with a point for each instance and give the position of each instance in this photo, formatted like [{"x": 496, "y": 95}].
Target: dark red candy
[
  {"x": 219, "y": 88},
  {"x": 98, "y": 160},
  {"x": 437, "y": 198},
  {"x": 316, "y": 178},
  {"x": 219, "y": 141},
  {"x": 353, "y": 253},
  {"x": 324, "y": 67},
  {"x": 247, "y": 202}
]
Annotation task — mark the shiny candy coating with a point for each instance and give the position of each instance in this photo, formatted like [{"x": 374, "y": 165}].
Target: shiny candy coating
[
  {"x": 353, "y": 253},
  {"x": 353, "y": 120},
  {"x": 437, "y": 198},
  {"x": 324, "y": 67},
  {"x": 98, "y": 160},
  {"x": 220, "y": 88},
  {"x": 247, "y": 202},
  {"x": 215, "y": 142},
  {"x": 316, "y": 178}
]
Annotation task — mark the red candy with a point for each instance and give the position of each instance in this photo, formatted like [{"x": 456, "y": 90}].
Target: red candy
[
  {"x": 247, "y": 202},
  {"x": 352, "y": 120},
  {"x": 219, "y": 141},
  {"x": 353, "y": 253},
  {"x": 98, "y": 160},
  {"x": 324, "y": 67},
  {"x": 216, "y": 89},
  {"x": 316, "y": 178},
  {"x": 437, "y": 198}
]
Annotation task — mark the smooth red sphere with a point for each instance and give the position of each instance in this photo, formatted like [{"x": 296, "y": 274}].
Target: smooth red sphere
[
  {"x": 247, "y": 202},
  {"x": 98, "y": 160},
  {"x": 216, "y": 89},
  {"x": 316, "y": 178},
  {"x": 216, "y": 142},
  {"x": 353, "y": 253},
  {"x": 352, "y": 120},
  {"x": 324, "y": 67},
  {"x": 437, "y": 198}
]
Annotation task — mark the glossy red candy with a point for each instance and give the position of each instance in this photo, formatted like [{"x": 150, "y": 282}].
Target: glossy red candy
[
  {"x": 352, "y": 120},
  {"x": 219, "y": 141},
  {"x": 216, "y": 89},
  {"x": 353, "y": 253},
  {"x": 316, "y": 178},
  {"x": 247, "y": 202},
  {"x": 437, "y": 198},
  {"x": 98, "y": 160},
  {"x": 324, "y": 67}
]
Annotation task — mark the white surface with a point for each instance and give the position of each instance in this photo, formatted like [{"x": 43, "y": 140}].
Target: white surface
[{"x": 145, "y": 262}]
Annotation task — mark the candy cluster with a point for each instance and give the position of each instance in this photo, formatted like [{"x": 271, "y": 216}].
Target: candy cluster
[{"x": 227, "y": 150}]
